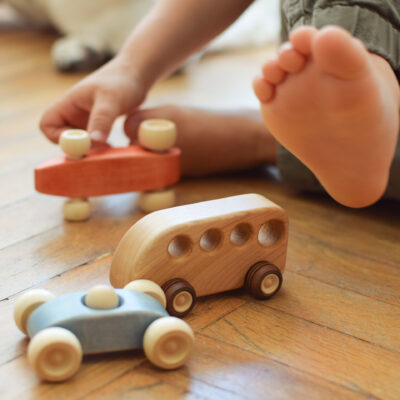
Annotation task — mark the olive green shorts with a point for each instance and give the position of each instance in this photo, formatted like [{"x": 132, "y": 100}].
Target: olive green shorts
[{"x": 377, "y": 24}]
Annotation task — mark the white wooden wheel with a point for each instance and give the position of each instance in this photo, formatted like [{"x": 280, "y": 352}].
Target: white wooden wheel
[
  {"x": 76, "y": 210},
  {"x": 269, "y": 284},
  {"x": 167, "y": 342},
  {"x": 102, "y": 297},
  {"x": 149, "y": 287},
  {"x": 27, "y": 303},
  {"x": 182, "y": 301},
  {"x": 156, "y": 200},
  {"x": 75, "y": 143},
  {"x": 157, "y": 134},
  {"x": 55, "y": 354}
]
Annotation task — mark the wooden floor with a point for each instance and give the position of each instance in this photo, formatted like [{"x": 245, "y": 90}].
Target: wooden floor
[{"x": 333, "y": 331}]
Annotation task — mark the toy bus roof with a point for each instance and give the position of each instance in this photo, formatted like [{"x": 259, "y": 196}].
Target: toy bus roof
[{"x": 218, "y": 208}]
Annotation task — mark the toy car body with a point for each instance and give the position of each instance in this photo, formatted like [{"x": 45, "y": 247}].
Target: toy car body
[
  {"x": 99, "y": 331},
  {"x": 83, "y": 172},
  {"x": 108, "y": 171},
  {"x": 204, "y": 248},
  {"x": 100, "y": 320}
]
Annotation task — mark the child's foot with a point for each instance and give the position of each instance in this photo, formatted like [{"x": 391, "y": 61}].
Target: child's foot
[
  {"x": 336, "y": 107},
  {"x": 213, "y": 142}
]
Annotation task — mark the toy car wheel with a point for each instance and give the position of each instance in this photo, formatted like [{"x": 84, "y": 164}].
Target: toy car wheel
[
  {"x": 76, "y": 210},
  {"x": 75, "y": 143},
  {"x": 55, "y": 354},
  {"x": 156, "y": 200},
  {"x": 263, "y": 280},
  {"x": 167, "y": 342},
  {"x": 157, "y": 134},
  {"x": 181, "y": 297},
  {"x": 27, "y": 303},
  {"x": 149, "y": 287}
]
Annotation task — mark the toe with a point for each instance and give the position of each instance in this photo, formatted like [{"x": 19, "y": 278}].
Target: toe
[
  {"x": 338, "y": 53},
  {"x": 272, "y": 72},
  {"x": 263, "y": 89},
  {"x": 289, "y": 59},
  {"x": 302, "y": 38}
]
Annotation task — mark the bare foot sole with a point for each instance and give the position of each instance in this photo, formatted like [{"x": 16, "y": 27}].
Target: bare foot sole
[
  {"x": 213, "y": 141},
  {"x": 336, "y": 107}
]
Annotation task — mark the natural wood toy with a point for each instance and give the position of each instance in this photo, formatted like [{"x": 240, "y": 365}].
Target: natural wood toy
[
  {"x": 100, "y": 320},
  {"x": 204, "y": 248},
  {"x": 82, "y": 173}
]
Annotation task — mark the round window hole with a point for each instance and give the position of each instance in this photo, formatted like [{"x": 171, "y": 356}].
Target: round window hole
[
  {"x": 240, "y": 234},
  {"x": 179, "y": 246},
  {"x": 270, "y": 232},
  {"x": 210, "y": 239}
]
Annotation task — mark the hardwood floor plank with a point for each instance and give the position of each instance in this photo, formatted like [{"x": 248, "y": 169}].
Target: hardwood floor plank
[
  {"x": 351, "y": 313},
  {"x": 66, "y": 246},
  {"x": 304, "y": 345},
  {"x": 223, "y": 372}
]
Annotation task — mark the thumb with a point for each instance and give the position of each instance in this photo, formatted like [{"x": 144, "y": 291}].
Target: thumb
[{"x": 103, "y": 114}]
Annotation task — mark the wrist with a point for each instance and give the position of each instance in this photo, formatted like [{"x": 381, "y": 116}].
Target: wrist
[{"x": 136, "y": 69}]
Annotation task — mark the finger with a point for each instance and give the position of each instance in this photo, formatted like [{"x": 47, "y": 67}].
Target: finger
[
  {"x": 104, "y": 112},
  {"x": 64, "y": 115},
  {"x": 132, "y": 123},
  {"x": 135, "y": 118}
]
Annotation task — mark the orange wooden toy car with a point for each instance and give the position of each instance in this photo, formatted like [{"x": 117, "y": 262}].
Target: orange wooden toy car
[{"x": 85, "y": 172}]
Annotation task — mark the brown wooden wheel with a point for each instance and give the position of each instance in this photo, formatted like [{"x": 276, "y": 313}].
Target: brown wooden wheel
[
  {"x": 181, "y": 297},
  {"x": 263, "y": 280}
]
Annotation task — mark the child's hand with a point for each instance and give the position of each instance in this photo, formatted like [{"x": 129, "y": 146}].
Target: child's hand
[{"x": 95, "y": 102}]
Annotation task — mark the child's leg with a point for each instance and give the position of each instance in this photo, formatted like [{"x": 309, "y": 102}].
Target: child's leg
[
  {"x": 331, "y": 102},
  {"x": 214, "y": 141}
]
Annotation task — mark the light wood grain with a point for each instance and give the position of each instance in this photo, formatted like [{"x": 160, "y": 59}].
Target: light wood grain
[
  {"x": 331, "y": 355},
  {"x": 332, "y": 332},
  {"x": 144, "y": 251}
]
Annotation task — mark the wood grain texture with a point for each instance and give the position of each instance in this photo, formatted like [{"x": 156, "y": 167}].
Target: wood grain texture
[
  {"x": 109, "y": 171},
  {"x": 332, "y": 332},
  {"x": 144, "y": 251}
]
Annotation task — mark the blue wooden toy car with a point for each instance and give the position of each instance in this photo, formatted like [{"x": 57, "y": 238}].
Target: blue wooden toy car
[{"x": 100, "y": 320}]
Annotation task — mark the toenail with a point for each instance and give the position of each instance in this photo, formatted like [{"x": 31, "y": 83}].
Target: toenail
[{"x": 285, "y": 47}]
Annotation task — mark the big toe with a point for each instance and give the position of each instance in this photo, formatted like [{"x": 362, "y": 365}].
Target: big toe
[{"x": 338, "y": 53}]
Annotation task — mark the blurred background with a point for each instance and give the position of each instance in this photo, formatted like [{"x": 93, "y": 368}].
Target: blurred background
[{"x": 90, "y": 31}]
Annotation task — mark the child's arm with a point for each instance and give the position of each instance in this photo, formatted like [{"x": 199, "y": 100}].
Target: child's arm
[{"x": 172, "y": 31}]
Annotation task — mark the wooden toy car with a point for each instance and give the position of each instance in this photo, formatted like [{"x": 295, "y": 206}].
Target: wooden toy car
[
  {"x": 209, "y": 247},
  {"x": 82, "y": 173},
  {"x": 100, "y": 320}
]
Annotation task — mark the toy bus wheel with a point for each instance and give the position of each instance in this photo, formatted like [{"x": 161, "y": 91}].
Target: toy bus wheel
[
  {"x": 55, "y": 354},
  {"x": 75, "y": 143},
  {"x": 157, "y": 134},
  {"x": 149, "y": 287},
  {"x": 167, "y": 342},
  {"x": 181, "y": 297},
  {"x": 27, "y": 303},
  {"x": 76, "y": 210},
  {"x": 156, "y": 200},
  {"x": 263, "y": 280}
]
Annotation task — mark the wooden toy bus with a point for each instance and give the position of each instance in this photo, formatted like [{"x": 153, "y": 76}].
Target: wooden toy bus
[{"x": 204, "y": 248}]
